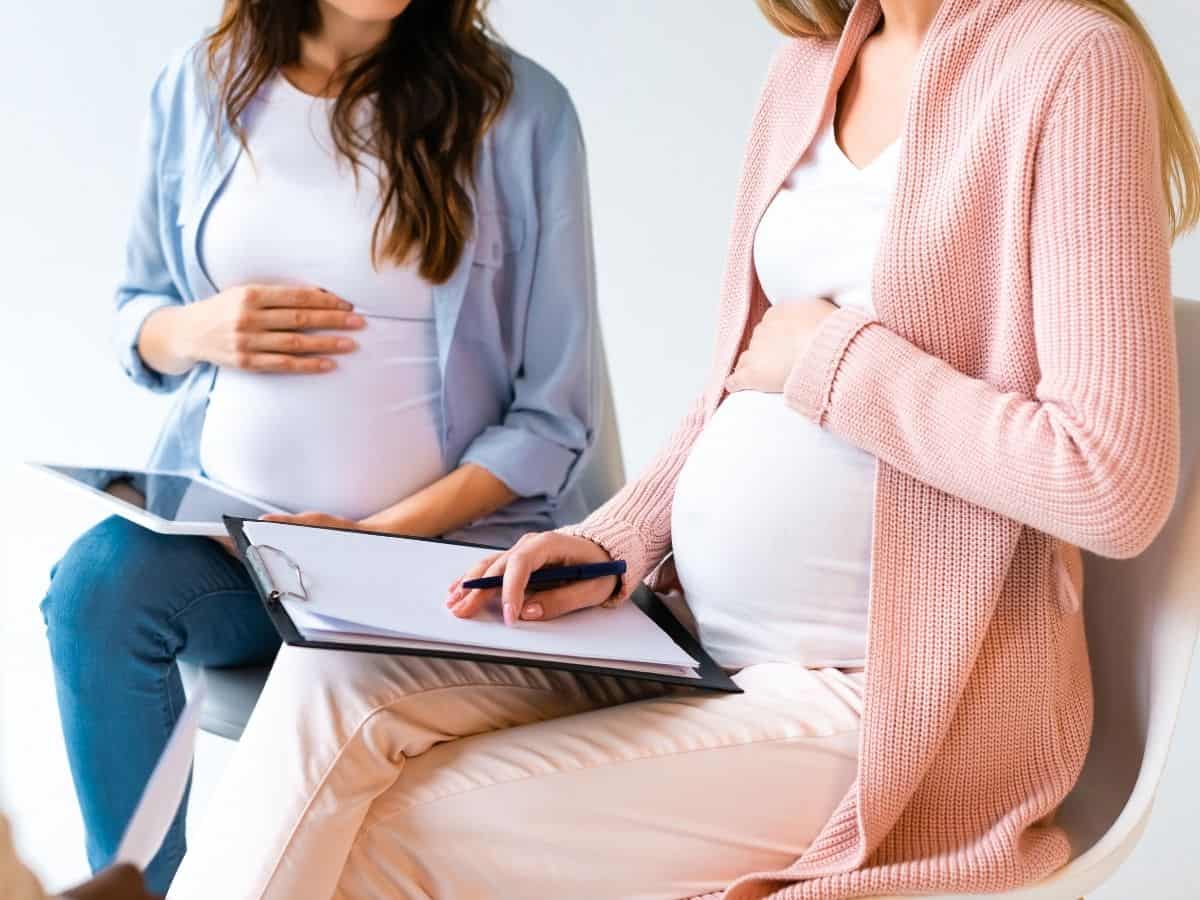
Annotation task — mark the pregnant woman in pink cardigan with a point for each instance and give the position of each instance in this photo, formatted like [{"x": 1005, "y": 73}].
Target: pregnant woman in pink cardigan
[{"x": 945, "y": 363}]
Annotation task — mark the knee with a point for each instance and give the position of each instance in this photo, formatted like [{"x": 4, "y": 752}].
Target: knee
[
  {"x": 302, "y": 670},
  {"x": 103, "y": 579},
  {"x": 334, "y": 686},
  {"x": 299, "y": 692}
]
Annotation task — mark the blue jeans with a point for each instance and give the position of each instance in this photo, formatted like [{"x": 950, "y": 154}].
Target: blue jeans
[{"x": 124, "y": 604}]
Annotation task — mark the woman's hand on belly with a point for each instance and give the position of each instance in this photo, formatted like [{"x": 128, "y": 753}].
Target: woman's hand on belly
[
  {"x": 532, "y": 552},
  {"x": 258, "y": 327},
  {"x": 777, "y": 341}
]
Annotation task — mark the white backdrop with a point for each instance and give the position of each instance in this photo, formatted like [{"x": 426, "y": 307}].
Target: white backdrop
[{"x": 665, "y": 89}]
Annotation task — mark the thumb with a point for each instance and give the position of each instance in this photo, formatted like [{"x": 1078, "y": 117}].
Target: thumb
[{"x": 567, "y": 599}]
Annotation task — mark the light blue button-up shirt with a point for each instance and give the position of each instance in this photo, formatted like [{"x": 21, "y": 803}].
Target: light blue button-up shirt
[{"x": 516, "y": 322}]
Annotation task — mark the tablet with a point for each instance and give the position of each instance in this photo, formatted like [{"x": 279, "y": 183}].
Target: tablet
[{"x": 166, "y": 502}]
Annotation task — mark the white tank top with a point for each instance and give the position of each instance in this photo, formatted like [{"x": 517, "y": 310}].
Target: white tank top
[
  {"x": 358, "y": 439},
  {"x": 771, "y": 525}
]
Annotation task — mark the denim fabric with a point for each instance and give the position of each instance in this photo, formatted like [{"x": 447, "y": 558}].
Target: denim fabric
[{"x": 124, "y": 604}]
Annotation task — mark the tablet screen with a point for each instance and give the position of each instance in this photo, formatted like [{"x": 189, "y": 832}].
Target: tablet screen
[{"x": 175, "y": 498}]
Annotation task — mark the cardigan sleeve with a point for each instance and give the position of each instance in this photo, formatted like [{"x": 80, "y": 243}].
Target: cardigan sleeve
[
  {"x": 1092, "y": 456},
  {"x": 635, "y": 525}
]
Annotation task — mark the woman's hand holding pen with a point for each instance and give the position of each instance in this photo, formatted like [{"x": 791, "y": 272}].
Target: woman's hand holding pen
[
  {"x": 530, "y": 553},
  {"x": 257, "y": 327}
]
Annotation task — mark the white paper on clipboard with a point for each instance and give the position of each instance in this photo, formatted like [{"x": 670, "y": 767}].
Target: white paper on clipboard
[{"x": 161, "y": 798}]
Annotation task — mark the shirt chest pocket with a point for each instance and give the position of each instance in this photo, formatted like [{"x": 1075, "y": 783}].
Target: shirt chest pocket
[{"x": 498, "y": 238}]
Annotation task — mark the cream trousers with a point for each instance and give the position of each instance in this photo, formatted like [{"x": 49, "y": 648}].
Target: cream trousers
[{"x": 365, "y": 776}]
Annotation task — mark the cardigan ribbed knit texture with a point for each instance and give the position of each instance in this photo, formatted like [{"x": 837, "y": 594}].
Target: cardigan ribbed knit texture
[{"x": 1018, "y": 389}]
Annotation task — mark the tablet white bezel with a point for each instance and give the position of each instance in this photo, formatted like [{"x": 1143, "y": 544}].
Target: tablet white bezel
[{"x": 142, "y": 517}]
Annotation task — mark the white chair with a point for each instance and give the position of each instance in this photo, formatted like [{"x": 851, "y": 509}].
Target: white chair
[
  {"x": 232, "y": 692},
  {"x": 1142, "y": 620}
]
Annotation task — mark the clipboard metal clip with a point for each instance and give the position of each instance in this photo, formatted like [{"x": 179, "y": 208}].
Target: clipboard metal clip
[{"x": 258, "y": 563}]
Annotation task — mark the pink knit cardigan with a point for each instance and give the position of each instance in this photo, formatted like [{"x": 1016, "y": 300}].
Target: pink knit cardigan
[{"x": 1019, "y": 391}]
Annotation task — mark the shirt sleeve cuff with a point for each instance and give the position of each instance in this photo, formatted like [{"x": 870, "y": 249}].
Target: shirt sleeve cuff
[
  {"x": 131, "y": 317},
  {"x": 531, "y": 466},
  {"x": 809, "y": 386}
]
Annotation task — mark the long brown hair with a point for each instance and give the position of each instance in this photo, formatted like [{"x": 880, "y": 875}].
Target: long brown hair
[
  {"x": 1180, "y": 150},
  {"x": 437, "y": 82}
]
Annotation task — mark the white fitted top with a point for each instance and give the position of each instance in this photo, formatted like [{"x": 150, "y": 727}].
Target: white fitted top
[
  {"x": 771, "y": 524},
  {"x": 356, "y": 440}
]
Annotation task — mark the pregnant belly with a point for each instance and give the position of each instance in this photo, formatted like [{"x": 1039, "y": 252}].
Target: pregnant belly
[
  {"x": 350, "y": 442},
  {"x": 771, "y": 530}
]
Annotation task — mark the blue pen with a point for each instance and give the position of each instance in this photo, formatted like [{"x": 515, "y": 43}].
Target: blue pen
[{"x": 554, "y": 576}]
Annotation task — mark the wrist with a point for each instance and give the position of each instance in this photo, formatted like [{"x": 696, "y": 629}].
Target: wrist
[
  {"x": 398, "y": 520},
  {"x": 616, "y": 540},
  {"x": 809, "y": 385},
  {"x": 164, "y": 340},
  {"x": 181, "y": 328},
  {"x": 821, "y": 311}
]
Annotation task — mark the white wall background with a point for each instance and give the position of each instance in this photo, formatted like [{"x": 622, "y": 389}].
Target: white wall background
[{"x": 665, "y": 90}]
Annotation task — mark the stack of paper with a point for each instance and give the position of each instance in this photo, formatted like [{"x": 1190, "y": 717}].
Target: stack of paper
[{"x": 386, "y": 591}]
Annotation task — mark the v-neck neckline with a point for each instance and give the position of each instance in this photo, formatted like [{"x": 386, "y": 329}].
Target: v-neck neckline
[{"x": 874, "y": 162}]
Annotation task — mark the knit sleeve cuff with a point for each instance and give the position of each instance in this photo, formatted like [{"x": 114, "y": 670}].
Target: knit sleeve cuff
[
  {"x": 809, "y": 386},
  {"x": 621, "y": 541}
]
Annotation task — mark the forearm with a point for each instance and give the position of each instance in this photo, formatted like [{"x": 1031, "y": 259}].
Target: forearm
[
  {"x": 1095, "y": 468},
  {"x": 464, "y": 496},
  {"x": 160, "y": 342},
  {"x": 1074, "y": 431}
]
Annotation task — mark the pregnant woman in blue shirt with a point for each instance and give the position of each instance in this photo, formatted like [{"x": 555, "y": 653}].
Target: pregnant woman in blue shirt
[{"x": 361, "y": 258}]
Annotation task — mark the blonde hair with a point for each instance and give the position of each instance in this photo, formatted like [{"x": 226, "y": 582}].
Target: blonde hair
[{"x": 1180, "y": 150}]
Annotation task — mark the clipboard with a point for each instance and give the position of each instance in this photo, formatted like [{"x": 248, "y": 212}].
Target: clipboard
[{"x": 711, "y": 676}]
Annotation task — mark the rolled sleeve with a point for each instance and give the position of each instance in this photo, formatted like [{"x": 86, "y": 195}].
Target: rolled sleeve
[
  {"x": 530, "y": 465},
  {"x": 549, "y": 425},
  {"x": 127, "y": 329}
]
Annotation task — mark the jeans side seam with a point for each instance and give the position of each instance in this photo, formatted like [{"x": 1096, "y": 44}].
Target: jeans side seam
[{"x": 173, "y": 714}]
